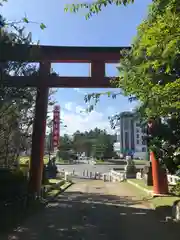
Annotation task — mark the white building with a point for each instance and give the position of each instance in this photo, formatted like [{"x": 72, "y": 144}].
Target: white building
[{"x": 130, "y": 136}]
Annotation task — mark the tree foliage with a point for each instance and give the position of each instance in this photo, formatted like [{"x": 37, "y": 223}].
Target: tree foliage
[
  {"x": 151, "y": 68},
  {"x": 149, "y": 72},
  {"x": 16, "y": 104},
  {"x": 95, "y": 143},
  {"x": 95, "y": 7}
]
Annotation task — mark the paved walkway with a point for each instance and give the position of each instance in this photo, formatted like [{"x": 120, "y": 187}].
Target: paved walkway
[{"x": 94, "y": 210}]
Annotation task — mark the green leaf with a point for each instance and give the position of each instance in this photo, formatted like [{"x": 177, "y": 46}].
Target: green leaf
[
  {"x": 66, "y": 9},
  {"x": 109, "y": 94},
  {"x": 42, "y": 26},
  {"x": 95, "y": 7},
  {"x": 25, "y": 20}
]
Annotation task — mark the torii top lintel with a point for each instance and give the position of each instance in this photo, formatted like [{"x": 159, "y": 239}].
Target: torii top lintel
[{"x": 68, "y": 54}]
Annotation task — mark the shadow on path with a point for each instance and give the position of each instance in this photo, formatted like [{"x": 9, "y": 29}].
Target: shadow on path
[{"x": 91, "y": 216}]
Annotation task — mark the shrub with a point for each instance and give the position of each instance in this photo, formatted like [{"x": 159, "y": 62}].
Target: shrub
[
  {"x": 176, "y": 189},
  {"x": 12, "y": 183}
]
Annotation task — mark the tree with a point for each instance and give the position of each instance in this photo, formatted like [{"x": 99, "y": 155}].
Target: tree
[
  {"x": 65, "y": 143},
  {"x": 96, "y": 143}
]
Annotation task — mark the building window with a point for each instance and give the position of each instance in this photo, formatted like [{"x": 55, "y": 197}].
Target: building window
[
  {"x": 143, "y": 140},
  {"x": 137, "y": 141},
  {"x": 137, "y": 130},
  {"x": 144, "y": 130},
  {"x": 143, "y": 149},
  {"x": 137, "y": 135},
  {"x": 138, "y": 124}
]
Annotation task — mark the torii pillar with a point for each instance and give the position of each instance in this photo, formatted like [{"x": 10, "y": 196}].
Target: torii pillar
[{"x": 39, "y": 131}]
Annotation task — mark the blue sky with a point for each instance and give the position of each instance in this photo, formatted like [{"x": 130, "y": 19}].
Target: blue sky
[{"x": 114, "y": 26}]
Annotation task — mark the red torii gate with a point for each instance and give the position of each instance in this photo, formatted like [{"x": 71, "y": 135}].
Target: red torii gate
[{"x": 45, "y": 55}]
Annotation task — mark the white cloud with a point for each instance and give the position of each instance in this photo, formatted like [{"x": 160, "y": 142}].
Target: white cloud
[
  {"x": 69, "y": 106},
  {"x": 75, "y": 118},
  {"x": 80, "y": 110},
  {"x": 79, "y": 120}
]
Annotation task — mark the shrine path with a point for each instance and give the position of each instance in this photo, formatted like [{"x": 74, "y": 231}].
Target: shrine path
[{"x": 95, "y": 210}]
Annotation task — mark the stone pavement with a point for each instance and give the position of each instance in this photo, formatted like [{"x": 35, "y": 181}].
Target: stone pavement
[{"x": 95, "y": 210}]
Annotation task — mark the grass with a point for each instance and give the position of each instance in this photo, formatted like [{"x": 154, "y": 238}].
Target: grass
[
  {"x": 99, "y": 161},
  {"x": 140, "y": 162},
  {"x": 164, "y": 201},
  {"x": 56, "y": 186},
  {"x": 54, "y": 192},
  {"x": 54, "y": 181},
  {"x": 160, "y": 201},
  {"x": 24, "y": 160},
  {"x": 142, "y": 184},
  {"x": 24, "y": 163},
  {"x": 59, "y": 160}
]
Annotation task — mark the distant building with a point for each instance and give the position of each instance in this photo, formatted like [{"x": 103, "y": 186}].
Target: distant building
[{"x": 130, "y": 136}]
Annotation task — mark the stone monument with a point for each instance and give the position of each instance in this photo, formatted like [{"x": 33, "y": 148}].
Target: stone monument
[
  {"x": 147, "y": 174},
  {"x": 130, "y": 169}
]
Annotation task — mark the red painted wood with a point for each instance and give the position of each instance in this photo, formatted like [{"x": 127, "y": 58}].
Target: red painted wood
[
  {"x": 155, "y": 174},
  {"x": 38, "y": 136},
  {"x": 96, "y": 81},
  {"x": 73, "y": 54},
  {"x": 160, "y": 184}
]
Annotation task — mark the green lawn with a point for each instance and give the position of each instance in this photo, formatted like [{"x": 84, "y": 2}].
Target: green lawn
[
  {"x": 60, "y": 161},
  {"x": 99, "y": 161},
  {"x": 23, "y": 160},
  {"x": 164, "y": 201},
  {"x": 155, "y": 201},
  {"x": 54, "y": 181},
  {"x": 53, "y": 184},
  {"x": 140, "y": 162},
  {"x": 142, "y": 184},
  {"x": 55, "y": 191}
]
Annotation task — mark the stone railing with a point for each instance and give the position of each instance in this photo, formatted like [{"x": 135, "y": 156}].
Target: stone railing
[
  {"x": 112, "y": 176},
  {"x": 117, "y": 176},
  {"x": 95, "y": 175},
  {"x": 172, "y": 179}
]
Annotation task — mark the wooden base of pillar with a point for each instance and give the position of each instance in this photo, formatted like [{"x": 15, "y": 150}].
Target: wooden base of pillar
[{"x": 160, "y": 184}]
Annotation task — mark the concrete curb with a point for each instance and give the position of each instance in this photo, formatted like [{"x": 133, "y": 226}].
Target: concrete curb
[{"x": 150, "y": 192}]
